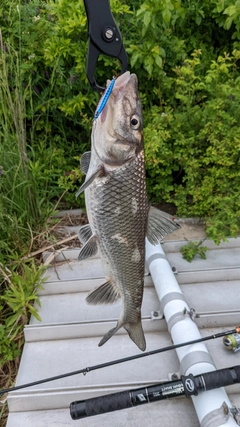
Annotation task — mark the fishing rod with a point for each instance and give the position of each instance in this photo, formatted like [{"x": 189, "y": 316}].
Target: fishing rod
[
  {"x": 188, "y": 385},
  {"x": 125, "y": 359}
]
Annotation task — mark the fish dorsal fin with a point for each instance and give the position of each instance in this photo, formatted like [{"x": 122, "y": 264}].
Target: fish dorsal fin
[
  {"x": 85, "y": 162},
  {"x": 89, "y": 249},
  {"x": 85, "y": 233},
  {"x": 99, "y": 172},
  {"x": 159, "y": 225},
  {"x": 108, "y": 293}
]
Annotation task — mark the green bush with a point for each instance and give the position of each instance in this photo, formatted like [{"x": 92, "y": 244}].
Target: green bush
[
  {"x": 16, "y": 304},
  {"x": 193, "y": 150},
  {"x": 192, "y": 249},
  {"x": 190, "y": 100}
]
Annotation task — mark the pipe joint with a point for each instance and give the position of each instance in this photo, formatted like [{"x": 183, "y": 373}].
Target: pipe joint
[
  {"x": 181, "y": 315},
  {"x": 191, "y": 313},
  {"x": 193, "y": 358},
  {"x": 175, "y": 318},
  {"x": 217, "y": 417}
]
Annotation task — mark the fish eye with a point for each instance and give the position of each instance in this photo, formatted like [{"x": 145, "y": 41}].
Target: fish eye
[{"x": 135, "y": 122}]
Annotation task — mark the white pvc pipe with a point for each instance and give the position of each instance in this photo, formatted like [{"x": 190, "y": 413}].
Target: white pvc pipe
[{"x": 195, "y": 358}]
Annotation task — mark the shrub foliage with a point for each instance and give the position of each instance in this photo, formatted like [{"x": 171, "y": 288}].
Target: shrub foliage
[{"x": 186, "y": 55}]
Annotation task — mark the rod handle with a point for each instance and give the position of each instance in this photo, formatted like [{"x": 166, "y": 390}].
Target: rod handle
[
  {"x": 222, "y": 378},
  {"x": 100, "y": 405}
]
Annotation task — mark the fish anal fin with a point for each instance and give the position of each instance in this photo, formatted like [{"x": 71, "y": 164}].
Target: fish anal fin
[
  {"x": 135, "y": 332},
  {"x": 85, "y": 233},
  {"x": 107, "y": 293},
  {"x": 85, "y": 162},
  {"x": 89, "y": 249},
  {"x": 98, "y": 173},
  {"x": 159, "y": 225}
]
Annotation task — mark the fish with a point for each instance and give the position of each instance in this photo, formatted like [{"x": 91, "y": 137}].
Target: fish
[{"x": 119, "y": 214}]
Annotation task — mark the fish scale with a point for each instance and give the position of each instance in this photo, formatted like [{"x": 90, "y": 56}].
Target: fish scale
[{"x": 105, "y": 201}]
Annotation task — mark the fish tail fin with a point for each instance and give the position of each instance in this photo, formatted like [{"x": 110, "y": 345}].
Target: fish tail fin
[
  {"x": 109, "y": 334},
  {"x": 135, "y": 332}
]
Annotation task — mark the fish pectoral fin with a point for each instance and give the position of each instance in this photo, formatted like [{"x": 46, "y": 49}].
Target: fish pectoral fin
[
  {"x": 135, "y": 332},
  {"x": 108, "y": 293},
  {"x": 85, "y": 233},
  {"x": 85, "y": 162},
  {"x": 99, "y": 172},
  {"x": 159, "y": 225},
  {"x": 89, "y": 249}
]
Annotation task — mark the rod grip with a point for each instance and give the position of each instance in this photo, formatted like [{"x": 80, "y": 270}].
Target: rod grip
[
  {"x": 100, "y": 405},
  {"x": 222, "y": 377}
]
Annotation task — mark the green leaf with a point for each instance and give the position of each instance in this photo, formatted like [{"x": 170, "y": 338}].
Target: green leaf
[
  {"x": 166, "y": 14},
  {"x": 34, "y": 312},
  {"x": 148, "y": 65},
  {"x": 134, "y": 58},
  {"x": 230, "y": 10},
  {"x": 147, "y": 18},
  {"x": 228, "y": 23},
  {"x": 158, "y": 61}
]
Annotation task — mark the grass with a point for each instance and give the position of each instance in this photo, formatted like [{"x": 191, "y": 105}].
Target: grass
[
  {"x": 27, "y": 204},
  {"x": 18, "y": 207},
  {"x": 24, "y": 213}
]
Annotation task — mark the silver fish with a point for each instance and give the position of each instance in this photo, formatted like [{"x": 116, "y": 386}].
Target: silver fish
[{"x": 119, "y": 213}]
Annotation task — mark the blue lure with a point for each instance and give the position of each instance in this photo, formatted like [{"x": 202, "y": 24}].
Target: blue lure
[{"x": 104, "y": 99}]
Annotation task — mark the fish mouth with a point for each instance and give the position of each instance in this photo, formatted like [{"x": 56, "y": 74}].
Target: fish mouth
[{"x": 120, "y": 85}]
